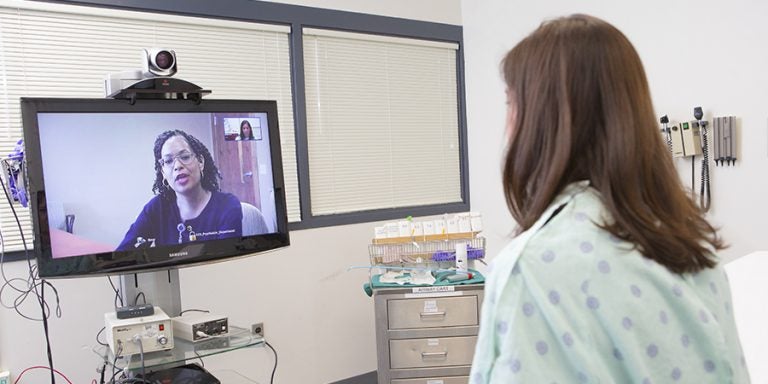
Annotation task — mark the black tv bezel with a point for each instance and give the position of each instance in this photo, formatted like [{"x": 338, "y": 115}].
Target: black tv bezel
[{"x": 150, "y": 259}]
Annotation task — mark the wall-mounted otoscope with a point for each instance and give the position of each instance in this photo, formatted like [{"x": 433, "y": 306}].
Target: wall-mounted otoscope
[{"x": 666, "y": 131}]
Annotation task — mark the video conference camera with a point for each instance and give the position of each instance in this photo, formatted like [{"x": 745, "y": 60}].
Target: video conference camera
[
  {"x": 156, "y": 62},
  {"x": 159, "y": 62}
]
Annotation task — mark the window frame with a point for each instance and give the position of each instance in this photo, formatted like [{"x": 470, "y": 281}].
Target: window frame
[{"x": 298, "y": 18}]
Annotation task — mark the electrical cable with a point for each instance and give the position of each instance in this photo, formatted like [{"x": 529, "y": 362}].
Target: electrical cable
[
  {"x": 136, "y": 299},
  {"x": 32, "y": 270},
  {"x": 8, "y": 283},
  {"x": 202, "y": 363},
  {"x": 194, "y": 310},
  {"x": 23, "y": 297},
  {"x": 23, "y": 291},
  {"x": 32, "y": 274},
  {"x": 56, "y": 293},
  {"x": 272, "y": 377},
  {"x": 117, "y": 293},
  {"x": 103, "y": 370},
  {"x": 669, "y": 141},
  {"x": 705, "y": 196},
  {"x": 129, "y": 380},
  {"x": 114, "y": 362},
  {"x": 45, "y": 329},
  {"x": 137, "y": 339},
  {"x": 97, "y": 337},
  {"x": 693, "y": 177},
  {"x": 40, "y": 367}
]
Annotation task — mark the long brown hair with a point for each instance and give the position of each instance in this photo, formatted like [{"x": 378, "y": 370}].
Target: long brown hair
[{"x": 584, "y": 112}]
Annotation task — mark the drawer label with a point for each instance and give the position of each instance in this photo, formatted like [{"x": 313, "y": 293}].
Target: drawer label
[
  {"x": 442, "y": 288},
  {"x": 433, "y": 342},
  {"x": 435, "y": 382},
  {"x": 430, "y": 306}
]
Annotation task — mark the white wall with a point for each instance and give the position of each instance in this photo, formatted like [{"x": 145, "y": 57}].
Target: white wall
[
  {"x": 696, "y": 53},
  {"x": 315, "y": 312}
]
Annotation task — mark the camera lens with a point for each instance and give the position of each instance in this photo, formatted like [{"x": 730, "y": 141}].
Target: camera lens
[{"x": 164, "y": 60}]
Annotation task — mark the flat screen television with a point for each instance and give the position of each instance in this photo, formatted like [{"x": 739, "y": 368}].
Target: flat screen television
[{"x": 117, "y": 187}]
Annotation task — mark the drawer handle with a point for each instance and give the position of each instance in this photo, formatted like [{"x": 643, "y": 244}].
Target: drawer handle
[
  {"x": 429, "y": 315},
  {"x": 438, "y": 355}
]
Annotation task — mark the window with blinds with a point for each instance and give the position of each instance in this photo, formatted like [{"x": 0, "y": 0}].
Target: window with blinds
[
  {"x": 382, "y": 122},
  {"x": 49, "y": 50}
]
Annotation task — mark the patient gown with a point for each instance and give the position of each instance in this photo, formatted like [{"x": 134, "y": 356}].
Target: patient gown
[{"x": 566, "y": 302}]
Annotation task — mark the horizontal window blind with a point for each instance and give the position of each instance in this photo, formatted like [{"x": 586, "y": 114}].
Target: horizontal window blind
[
  {"x": 382, "y": 122},
  {"x": 50, "y": 50}
]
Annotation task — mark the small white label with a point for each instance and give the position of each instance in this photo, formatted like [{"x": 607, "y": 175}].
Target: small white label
[
  {"x": 452, "y": 225},
  {"x": 418, "y": 229},
  {"x": 430, "y": 306},
  {"x": 392, "y": 230},
  {"x": 435, "y": 382},
  {"x": 380, "y": 232},
  {"x": 441, "y": 288},
  {"x": 440, "y": 227},
  {"x": 465, "y": 224},
  {"x": 433, "y": 342},
  {"x": 429, "y": 227},
  {"x": 404, "y": 228}
]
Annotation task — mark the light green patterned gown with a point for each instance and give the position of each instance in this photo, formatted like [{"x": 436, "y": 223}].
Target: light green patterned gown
[{"x": 566, "y": 302}]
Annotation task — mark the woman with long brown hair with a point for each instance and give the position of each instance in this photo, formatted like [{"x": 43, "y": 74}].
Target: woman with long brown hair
[{"x": 613, "y": 277}]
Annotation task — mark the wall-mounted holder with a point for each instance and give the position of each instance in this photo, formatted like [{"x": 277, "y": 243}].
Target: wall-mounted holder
[
  {"x": 162, "y": 88},
  {"x": 698, "y": 137},
  {"x": 724, "y": 129}
]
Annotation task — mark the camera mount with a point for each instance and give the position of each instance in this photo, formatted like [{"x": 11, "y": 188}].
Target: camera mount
[
  {"x": 162, "y": 88},
  {"x": 153, "y": 81}
]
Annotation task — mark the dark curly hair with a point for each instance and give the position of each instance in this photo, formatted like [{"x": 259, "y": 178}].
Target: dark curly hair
[{"x": 211, "y": 175}]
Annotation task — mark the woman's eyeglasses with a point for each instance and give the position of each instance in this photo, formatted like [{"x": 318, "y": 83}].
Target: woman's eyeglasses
[{"x": 184, "y": 157}]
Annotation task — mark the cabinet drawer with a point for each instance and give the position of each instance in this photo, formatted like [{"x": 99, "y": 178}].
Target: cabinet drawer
[
  {"x": 437, "y": 352},
  {"x": 434, "y": 380},
  {"x": 432, "y": 312}
]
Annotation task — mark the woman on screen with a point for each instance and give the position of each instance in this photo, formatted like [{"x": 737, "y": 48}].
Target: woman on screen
[
  {"x": 188, "y": 205},
  {"x": 246, "y": 132}
]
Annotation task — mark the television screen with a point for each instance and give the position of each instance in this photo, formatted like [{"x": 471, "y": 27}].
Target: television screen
[{"x": 121, "y": 187}]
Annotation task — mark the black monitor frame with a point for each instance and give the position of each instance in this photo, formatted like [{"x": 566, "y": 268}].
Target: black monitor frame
[{"x": 149, "y": 259}]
